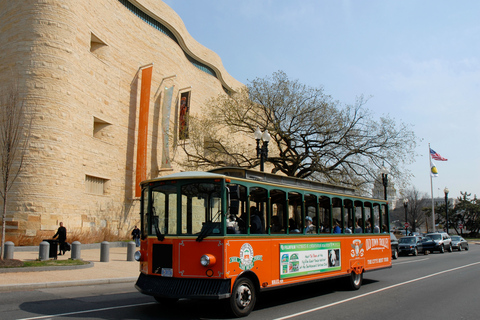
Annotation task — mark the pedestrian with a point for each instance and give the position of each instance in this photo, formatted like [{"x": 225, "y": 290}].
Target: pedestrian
[
  {"x": 62, "y": 237},
  {"x": 136, "y": 236}
]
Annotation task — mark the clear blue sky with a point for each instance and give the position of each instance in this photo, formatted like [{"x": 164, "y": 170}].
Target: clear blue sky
[{"x": 419, "y": 60}]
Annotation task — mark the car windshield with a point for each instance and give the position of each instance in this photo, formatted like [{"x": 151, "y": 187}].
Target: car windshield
[
  {"x": 406, "y": 240},
  {"x": 455, "y": 238},
  {"x": 435, "y": 236}
]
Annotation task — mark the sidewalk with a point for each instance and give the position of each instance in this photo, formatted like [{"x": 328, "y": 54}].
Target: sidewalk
[{"x": 117, "y": 270}]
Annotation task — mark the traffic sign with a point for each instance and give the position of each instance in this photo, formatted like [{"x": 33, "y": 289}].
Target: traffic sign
[{"x": 406, "y": 225}]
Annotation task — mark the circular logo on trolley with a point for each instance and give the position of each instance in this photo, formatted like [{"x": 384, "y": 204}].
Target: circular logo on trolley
[
  {"x": 247, "y": 259},
  {"x": 246, "y": 254}
]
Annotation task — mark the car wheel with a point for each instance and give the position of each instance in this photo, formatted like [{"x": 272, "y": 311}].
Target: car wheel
[
  {"x": 450, "y": 248},
  {"x": 243, "y": 297},
  {"x": 459, "y": 247},
  {"x": 442, "y": 249},
  {"x": 466, "y": 247},
  {"x": 395, "y": 254},
  {"x": 415, "y": 252}
]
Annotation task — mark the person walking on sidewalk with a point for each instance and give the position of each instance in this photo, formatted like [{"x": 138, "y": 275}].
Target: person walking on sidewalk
[
  {"x": 62, "y": 237},
  {"x": 136, "y": 236}
]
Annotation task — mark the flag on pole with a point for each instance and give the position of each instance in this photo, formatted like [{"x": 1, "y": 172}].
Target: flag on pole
[
  {"x": 433, "y": 169},
  {"x": 436, "y": 156}
]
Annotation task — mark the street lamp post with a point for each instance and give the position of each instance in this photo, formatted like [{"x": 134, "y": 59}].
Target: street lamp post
[
  {"x": 262, "y": 151},
  {"x": 446, "y": 206},
  {"x": 384, "y": 172},
  {"x": 405, "y": 205}
]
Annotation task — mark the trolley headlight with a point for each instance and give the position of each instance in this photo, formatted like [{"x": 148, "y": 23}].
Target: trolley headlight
[
  {"x": 137, "y": 255},
  {"x": 208, "y": 260}
]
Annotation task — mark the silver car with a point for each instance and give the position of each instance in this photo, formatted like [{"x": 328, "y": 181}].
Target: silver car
[{"x": 459, "y": 243}]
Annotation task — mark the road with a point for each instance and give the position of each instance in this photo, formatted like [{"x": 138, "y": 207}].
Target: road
[{"x": 435, "y": 286}]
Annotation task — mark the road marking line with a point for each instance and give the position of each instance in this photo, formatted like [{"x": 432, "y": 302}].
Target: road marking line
[
  {"x": 87, "y": 311},
  {"x": 416, "y": 260},
  {"x": 373, "y": 292}
]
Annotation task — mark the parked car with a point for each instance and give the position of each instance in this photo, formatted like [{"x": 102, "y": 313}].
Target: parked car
[
  {"x": 438, "y": 241},
  {"x": 410, "y": 245},
  {"x": 394, "y": 245},
  {"x": 459, "y": 243}
]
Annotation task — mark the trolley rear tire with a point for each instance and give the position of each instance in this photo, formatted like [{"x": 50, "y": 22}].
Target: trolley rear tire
[{"x": 355, "y": 280}]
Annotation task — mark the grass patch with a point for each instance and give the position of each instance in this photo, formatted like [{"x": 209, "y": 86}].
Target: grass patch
[
  {"x": 12, "y": 263},
  {"x": 49, "y": 263}
]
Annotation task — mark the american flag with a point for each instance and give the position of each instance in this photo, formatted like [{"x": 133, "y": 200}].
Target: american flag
[{"x": 436, "y": 156}]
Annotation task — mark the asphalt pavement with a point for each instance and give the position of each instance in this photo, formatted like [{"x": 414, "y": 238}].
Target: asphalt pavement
[{"x": 116, "y": 270}]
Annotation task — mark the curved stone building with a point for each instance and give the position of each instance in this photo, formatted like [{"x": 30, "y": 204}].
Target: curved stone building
[{"x": 109, "y": 85}]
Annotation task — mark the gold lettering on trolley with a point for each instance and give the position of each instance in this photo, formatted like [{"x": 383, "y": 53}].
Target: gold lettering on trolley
[{"x": 377, "y": 244}]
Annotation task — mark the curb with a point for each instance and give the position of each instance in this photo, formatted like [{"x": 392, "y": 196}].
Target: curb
[
  {"x": 46, "y": 285},
  {"x": 50, "y": 268}
]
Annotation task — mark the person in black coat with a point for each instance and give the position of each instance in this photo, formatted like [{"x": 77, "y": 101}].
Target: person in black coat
[
  {"x": 136, "y": 236},
  {"x": 62, "y": 237},
  {"x": 256, "y": 225}
]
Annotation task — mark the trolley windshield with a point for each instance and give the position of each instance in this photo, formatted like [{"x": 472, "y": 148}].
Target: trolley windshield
[{"x": 186, "y": 208}]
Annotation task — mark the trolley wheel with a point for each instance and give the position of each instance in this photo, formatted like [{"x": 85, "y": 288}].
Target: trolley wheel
[
  {"x": 243, "y": 297},
  {"x": 355, "y": 280}
]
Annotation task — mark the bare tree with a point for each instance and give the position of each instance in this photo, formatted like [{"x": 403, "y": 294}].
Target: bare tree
[
  {"x": 417, "y": 201},
  {"x": 14, "y": 136},
  {"x": 313, "y": 136}
]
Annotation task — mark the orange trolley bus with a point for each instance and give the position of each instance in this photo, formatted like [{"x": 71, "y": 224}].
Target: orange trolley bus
[{"x": 230, "y": 233}]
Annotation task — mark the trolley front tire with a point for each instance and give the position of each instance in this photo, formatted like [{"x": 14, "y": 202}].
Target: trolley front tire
[{"x": 243, "y": 297}]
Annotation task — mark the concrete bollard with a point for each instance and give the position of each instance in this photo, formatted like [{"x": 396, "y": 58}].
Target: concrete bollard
[
  {"x": 44, "y": 250},
  {"x": 131, "y": 251},
  {"x": 8, "y": 250},
  {"x": 76, "y": 251},
  {"x": 104, "y": 251}
]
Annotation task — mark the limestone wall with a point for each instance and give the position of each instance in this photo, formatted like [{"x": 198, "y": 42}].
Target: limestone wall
[{"x": 77, "y": 63}]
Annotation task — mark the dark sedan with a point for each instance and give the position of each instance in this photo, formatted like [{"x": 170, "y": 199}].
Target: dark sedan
[
  {"x": 459, "y": 243},
  {"x": 410, "y": 245}
]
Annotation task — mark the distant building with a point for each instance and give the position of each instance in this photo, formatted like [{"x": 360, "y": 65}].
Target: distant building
[
  {"x": 88, "y": 71},
  {"x": 378, "y": 192}
]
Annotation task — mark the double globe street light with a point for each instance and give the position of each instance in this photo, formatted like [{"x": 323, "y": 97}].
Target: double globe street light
[{"x": 262, "y": 151}]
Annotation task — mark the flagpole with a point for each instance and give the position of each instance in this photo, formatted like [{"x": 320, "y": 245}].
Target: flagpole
[{"x": 431, "y": 187}]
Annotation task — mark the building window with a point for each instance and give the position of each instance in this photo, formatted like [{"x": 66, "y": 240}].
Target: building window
[
  {"x": 211, "y": 147},
  {"x": 95, "y": 185},
  {"x": 98, "y": 47},
  {"x": 100, "y": 128}
]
